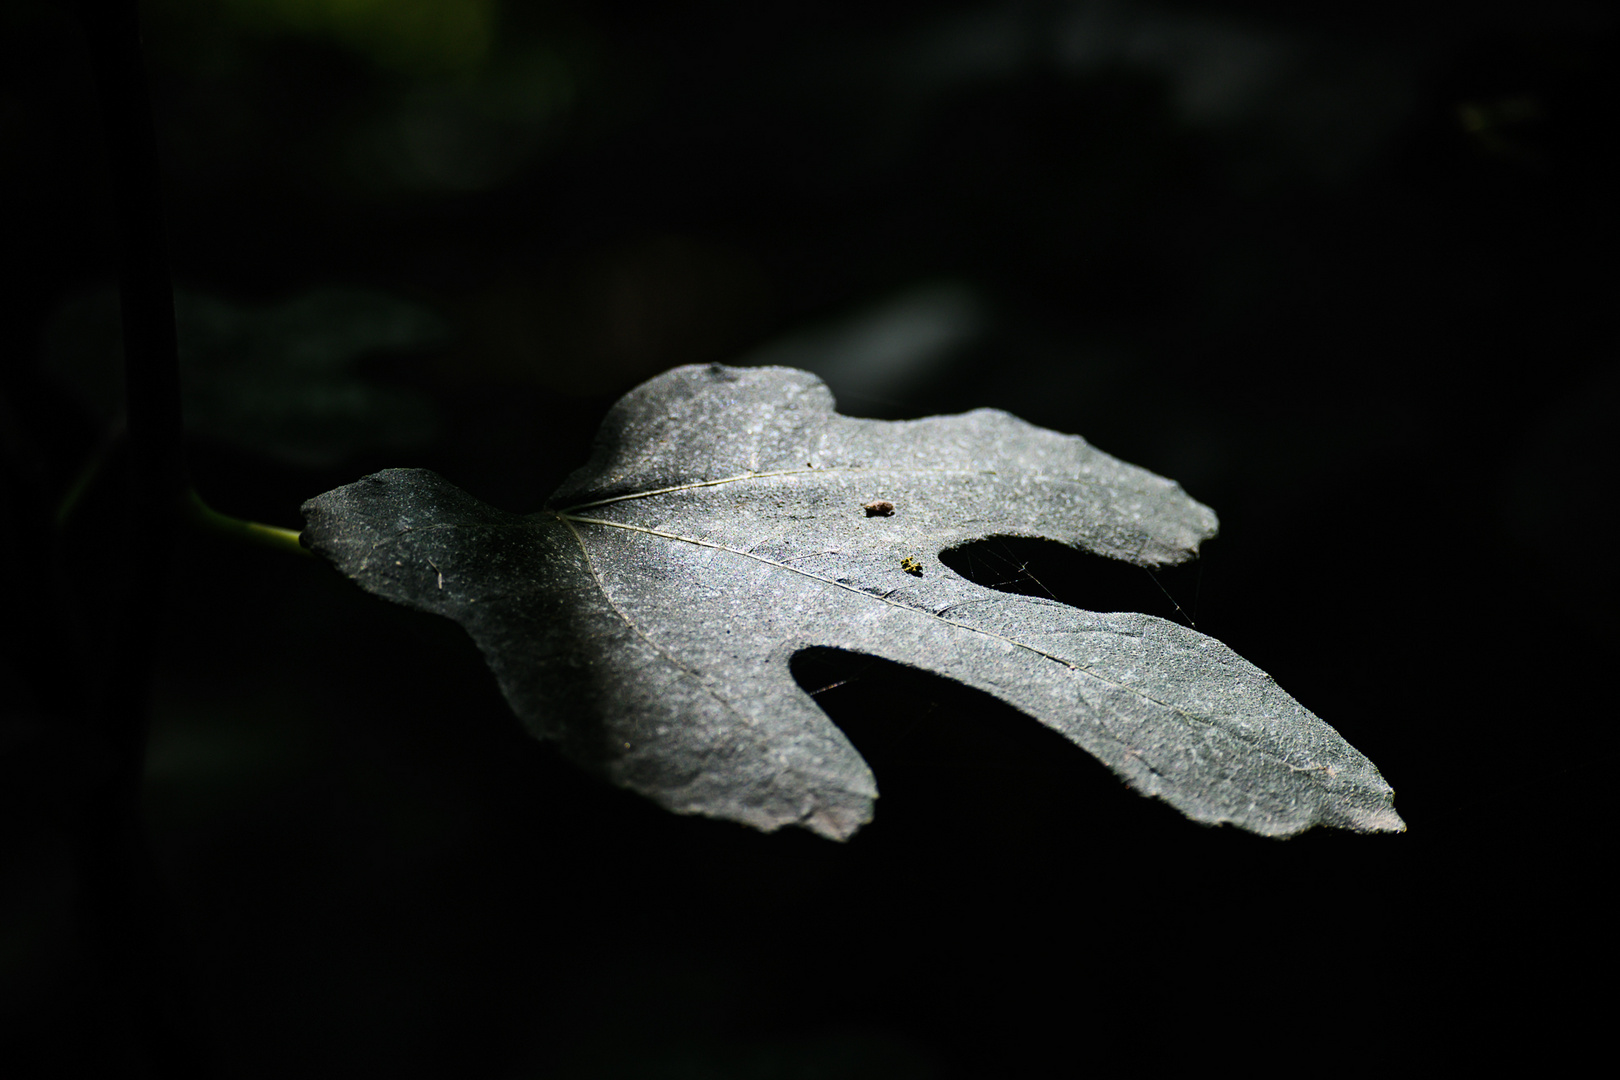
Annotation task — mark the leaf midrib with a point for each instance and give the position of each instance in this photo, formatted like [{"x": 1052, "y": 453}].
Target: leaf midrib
[
  {"x": 571, "y": 519},
  {"x": 784, "y": 472}
]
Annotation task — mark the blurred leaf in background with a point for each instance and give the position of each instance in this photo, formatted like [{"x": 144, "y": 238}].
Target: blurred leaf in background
[{"x": 283, "y": 381}]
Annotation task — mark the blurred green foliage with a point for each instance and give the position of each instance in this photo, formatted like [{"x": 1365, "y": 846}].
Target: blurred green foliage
[{"x": 412, "y": 36}]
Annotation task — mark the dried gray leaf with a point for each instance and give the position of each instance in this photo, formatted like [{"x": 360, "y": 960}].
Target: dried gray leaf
[{"x": 646, "y": 618}]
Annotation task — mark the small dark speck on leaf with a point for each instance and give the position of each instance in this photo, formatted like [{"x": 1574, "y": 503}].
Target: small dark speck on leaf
[{"x": 878, "y": 508}]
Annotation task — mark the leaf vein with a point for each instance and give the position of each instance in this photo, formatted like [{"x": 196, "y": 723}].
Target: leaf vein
[
  {"x": 770, "y": 475},
  {"x": 1097, "y": 714},
  {"x": 697, "y": 677}
]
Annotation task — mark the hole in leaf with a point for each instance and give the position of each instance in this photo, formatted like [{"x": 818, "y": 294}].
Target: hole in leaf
[{"x": 1046, "y": 568}]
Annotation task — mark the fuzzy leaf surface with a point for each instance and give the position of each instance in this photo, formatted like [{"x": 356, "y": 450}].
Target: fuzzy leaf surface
[{"x": 645, "y": 619}]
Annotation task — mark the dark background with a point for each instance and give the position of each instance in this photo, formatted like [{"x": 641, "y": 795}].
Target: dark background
[{"x": 1345, "y": 271}]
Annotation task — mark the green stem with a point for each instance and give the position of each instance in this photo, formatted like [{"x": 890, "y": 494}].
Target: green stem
[{"x": 205, "y": 517}]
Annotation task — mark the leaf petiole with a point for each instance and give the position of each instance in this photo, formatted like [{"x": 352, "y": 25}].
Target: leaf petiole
[{"x": 203, "y": 516}]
